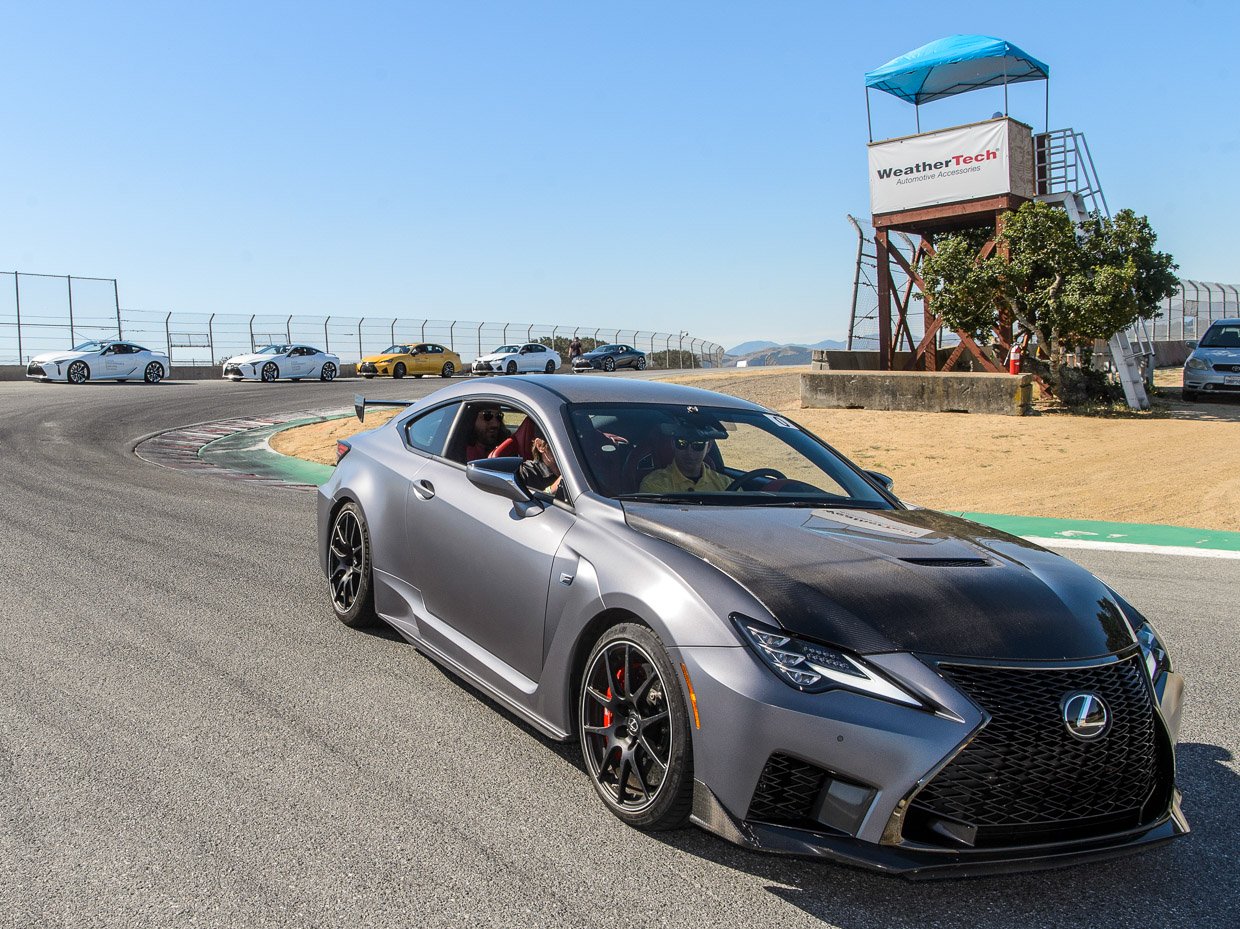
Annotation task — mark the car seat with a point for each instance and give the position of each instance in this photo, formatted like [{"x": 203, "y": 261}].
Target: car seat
[{"x": 519, "y": 443}]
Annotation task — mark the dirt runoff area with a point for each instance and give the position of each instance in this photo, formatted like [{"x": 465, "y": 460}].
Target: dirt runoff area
[{"x": 1178, "y": 466}]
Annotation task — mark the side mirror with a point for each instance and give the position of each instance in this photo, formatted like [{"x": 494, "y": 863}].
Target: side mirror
[
  {"x": 498, "y": 476},
  {"x": 883, "y": 479},
  {"x": 1191, "y": 343}
]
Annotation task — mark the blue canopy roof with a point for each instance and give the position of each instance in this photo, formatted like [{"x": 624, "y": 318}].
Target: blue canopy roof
[{"x": 954, "y": 65}]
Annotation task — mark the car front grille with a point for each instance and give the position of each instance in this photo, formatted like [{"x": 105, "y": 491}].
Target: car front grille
[
  {"x": 366, "y": 367},
  {"x": 35, "y": 370},
  {"x": 1228, "y": 368},
  {"x": 232, "y": 370},
  {"x": 786, "y": 791},
  {"x": 1024, "y": 779}
]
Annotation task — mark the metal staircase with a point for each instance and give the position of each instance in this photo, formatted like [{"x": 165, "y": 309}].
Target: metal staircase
[{"x": 1067, "y": 178}]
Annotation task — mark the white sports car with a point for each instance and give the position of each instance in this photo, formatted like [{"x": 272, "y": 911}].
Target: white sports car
[
  {"x": 100, "y": 360},
  {"x": 272, "y": 362},
  {"x": 530, "y": 358}
]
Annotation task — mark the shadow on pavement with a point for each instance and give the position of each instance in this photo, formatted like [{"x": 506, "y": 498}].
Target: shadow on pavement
[{"x": 1192, "y": 881}]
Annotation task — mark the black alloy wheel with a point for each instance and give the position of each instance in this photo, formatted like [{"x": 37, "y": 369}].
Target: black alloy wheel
[
  {"x": 634, "y": 730},
  {"x": 327, "y": 372},
  {"x": 551, "y": 367},
  {"x": 78, "y": 373},
  {"x": 154, "y": 373},
  {"x": 270, "y": 372},
  {"x": 447, "y": 370},
  {"x": 398, "y": 371},
  {"x": 609, "y": 363},
  {"x": 641, "y": 362},
  {"x": 348, "y": 566},
  {"x": 511, "y": 368}
]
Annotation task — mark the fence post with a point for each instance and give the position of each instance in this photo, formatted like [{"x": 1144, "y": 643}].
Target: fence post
[
  {"x": 17, "y": 296},
  {"x": 529, "y": 333},
  {"x": 211, "y": 338},
  {"x": 423, "y": 330},
  {"x": 116, "y": 295},
  {"x": 505, "y": 333},
  {"x": 167, "y": 337},
  {"x": 72, "y": 335},
  {"x": 392, "y": 333},
  {"x": 480, "y": 325},
  {"x": 327, "y": 342},
  {"x": 252, "y": 348},
  {"x": 617, "y": 338},
  {"x": 360, "y": 356},
  {"x": 452, "y": 336},
  {"x": 288, "y": 328},
  {"x": 667, "y": 351}
]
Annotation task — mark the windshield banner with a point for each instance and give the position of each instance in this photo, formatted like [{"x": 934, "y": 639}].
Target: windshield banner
[{"x": 940, "y": 167}]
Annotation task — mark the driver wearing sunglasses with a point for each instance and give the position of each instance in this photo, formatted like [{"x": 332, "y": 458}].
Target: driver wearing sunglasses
[
  {"x": 488, "y": 431},
  {"x": 688, "y": 470}
]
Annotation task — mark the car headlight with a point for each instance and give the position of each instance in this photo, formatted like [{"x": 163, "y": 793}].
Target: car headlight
[
  {"x": 1197, "y": 364},
  {"x": 815, "y": 668},
  {"x": 1156, "y": 660}
]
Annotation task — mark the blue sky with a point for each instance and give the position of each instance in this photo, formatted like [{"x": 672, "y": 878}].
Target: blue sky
[{"x": 646, "y": 165}]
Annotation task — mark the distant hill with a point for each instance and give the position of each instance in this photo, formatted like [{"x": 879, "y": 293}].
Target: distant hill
[
  {"x": 771, "y": 353},
  {"x": 746, "y": 348}
]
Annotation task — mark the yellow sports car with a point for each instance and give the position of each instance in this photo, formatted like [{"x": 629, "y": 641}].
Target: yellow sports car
[{"x": 418, "y": 359}]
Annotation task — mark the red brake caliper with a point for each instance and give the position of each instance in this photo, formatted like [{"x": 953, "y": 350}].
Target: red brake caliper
[{"x": 607, "y": 717}]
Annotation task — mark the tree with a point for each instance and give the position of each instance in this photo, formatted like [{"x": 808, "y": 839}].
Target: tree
[{"x": 1064, "y": 284}]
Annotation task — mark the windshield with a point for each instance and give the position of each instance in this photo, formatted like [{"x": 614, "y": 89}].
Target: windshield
[
  {"x": 273, "y": 350},
  {"x": 92, "y": 346},
  {"x": 662, "y": 453},
  {"x": 610, "y": 348},
  {"x": 506, "y": 350},
  {"x": 396, "y": 350},
  {"x": 1221, "y": 337}
]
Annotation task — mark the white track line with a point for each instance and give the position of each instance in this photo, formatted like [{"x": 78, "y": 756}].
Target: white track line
[{"x": 1182, "y": 550}]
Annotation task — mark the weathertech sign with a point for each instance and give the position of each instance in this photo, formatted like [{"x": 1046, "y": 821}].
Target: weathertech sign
[{"x": 940, "y": 167}]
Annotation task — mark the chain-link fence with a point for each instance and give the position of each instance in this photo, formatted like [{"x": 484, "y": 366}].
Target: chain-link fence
[{"x": 50, "y": 313}]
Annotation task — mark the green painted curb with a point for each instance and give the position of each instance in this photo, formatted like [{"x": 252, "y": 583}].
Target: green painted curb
[
  {"x": 249, "y": 453},
  {"x": 1082, "y": 530}
]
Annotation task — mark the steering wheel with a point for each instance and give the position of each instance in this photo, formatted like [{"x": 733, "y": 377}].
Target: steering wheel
[{"x": 748, "y": 476}]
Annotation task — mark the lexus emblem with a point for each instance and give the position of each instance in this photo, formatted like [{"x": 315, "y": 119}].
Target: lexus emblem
[{"x": 1085, "y": 715}]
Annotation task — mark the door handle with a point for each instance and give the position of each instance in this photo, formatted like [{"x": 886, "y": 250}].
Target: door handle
[{"x": 424, "y": 489}]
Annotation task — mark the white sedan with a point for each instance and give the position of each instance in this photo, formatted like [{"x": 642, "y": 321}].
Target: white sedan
[
  {"x": 532, "y": 357},
  {"x": 272, "y": 362},
  {"x": 100, "y": 360}
]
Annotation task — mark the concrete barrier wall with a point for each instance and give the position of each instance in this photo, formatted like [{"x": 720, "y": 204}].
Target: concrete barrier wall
[
  {"x": 863, "y": 360},
  {"x": 918, "y": 392}
]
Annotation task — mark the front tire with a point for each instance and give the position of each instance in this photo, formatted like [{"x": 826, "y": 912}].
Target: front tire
[
  {"x": 511, "y": 368},
  {"x": 609, "y": 363},
  {"x": 399, "y": 371},
  {"x": 270, "y": 372},
  {"x": 154, "y": 373},
  {"x": 348, "y": 566},
  {"x": 327, "y": 372},
  {"x": 550, "y": 369},
  {"x": 447, "y": 370},
  {"x": 633, "y": 727},
  {"x": 641, "y": 363},
  {"x": 78, "y": 373}
]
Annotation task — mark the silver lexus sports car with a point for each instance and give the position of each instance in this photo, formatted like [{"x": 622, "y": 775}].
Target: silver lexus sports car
[{"x": 744, "y": 630}]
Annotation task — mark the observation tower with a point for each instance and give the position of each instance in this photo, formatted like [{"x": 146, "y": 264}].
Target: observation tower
[{"x": 946, "y": 180}]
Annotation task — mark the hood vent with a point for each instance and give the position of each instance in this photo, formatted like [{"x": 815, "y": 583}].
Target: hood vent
[{"x": 947, "y": 562}]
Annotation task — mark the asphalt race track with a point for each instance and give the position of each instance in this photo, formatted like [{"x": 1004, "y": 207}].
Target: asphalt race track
[{"x": 189, "y": 737}]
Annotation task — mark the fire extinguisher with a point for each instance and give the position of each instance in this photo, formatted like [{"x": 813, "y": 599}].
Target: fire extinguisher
[{"x": 1014, "y": 360}]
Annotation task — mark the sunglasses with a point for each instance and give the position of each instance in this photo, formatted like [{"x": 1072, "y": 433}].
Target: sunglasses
[
  {"x": 697, "y": 446},
  {"x": 488, "y": 415}
]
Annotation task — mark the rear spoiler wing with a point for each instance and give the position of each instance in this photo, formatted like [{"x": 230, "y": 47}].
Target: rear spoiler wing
[{"x": 360, "y": 403}]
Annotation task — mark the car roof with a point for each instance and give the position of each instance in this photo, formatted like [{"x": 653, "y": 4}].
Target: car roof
[
  {"x": 585, "y": 388},
  {"x": 1226, "y": 322}
]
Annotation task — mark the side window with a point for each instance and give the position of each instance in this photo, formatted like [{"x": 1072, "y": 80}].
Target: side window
[{"x": 428, "y": 431}]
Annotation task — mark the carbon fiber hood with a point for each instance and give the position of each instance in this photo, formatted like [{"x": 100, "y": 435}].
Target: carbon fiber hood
[{"x": 899, "y": 580}]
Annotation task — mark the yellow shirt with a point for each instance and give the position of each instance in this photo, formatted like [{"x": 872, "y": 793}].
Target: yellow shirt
[{"x": 670, "y": 480}]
